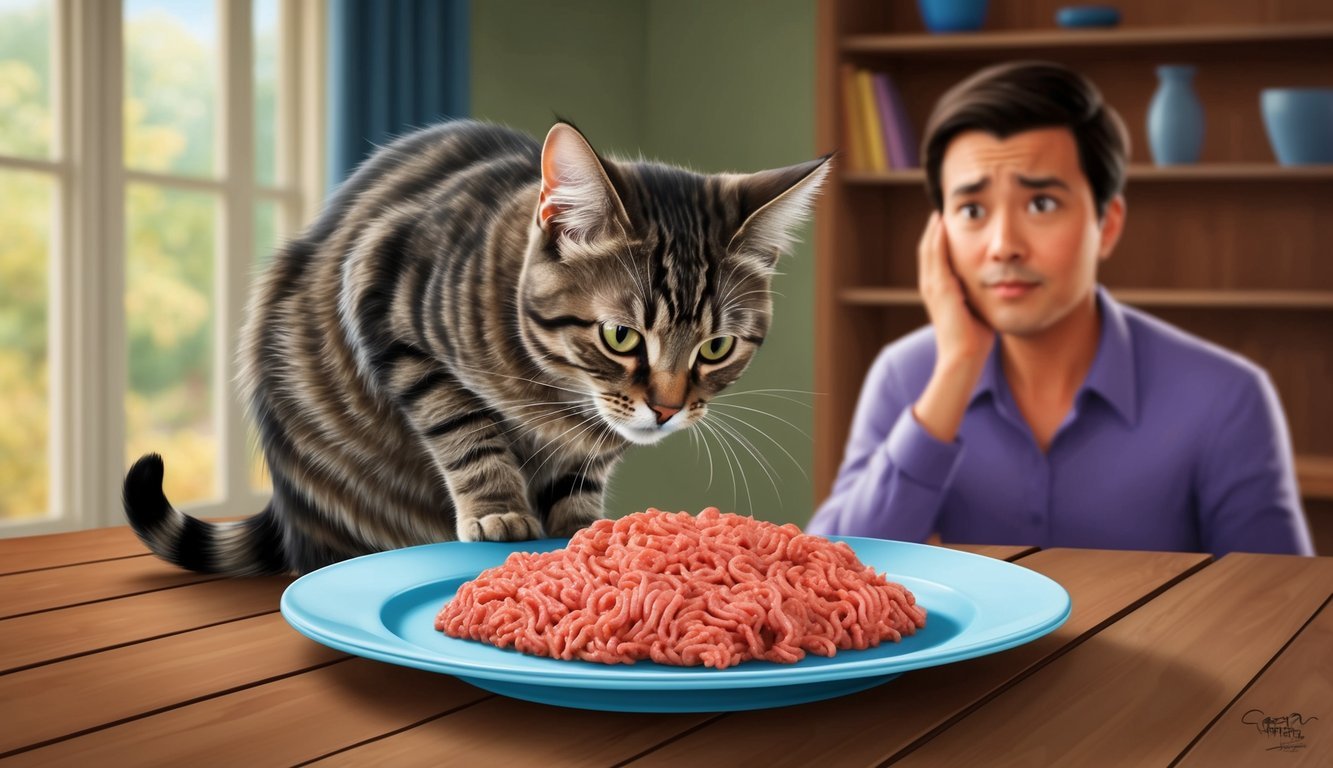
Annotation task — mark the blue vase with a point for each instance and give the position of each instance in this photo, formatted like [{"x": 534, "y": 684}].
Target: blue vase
[{"x": 1175, "y": 118}]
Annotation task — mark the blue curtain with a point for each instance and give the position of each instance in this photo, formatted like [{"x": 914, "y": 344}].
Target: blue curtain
[{"x": 394, "y": 65}]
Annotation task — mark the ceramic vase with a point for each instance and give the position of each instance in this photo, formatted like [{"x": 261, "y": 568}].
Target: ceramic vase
[
  {"x": 946, "y": 16},
  {"x": 1175, "y": 117}
]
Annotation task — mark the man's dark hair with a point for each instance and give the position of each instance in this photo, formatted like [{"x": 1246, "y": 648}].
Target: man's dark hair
[{"x": 1024, "y": 95}]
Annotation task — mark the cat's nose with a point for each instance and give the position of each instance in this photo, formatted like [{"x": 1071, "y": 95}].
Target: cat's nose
[{"x": 665, "y": 412}]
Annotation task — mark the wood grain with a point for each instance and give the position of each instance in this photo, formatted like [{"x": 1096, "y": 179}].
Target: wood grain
[
  {"x": 870, "y": 727},
  {"x": 1072, "y": 41},
  {"x": 485, "y": 735},
  {"x": 281, "y": 723},
  {"x": 1298, "y": 686},
  {"x": 52, "y": 550},
  {"x": 1136, "y": 14},
  {"x": 997, "y": 551},
  {"x": 41, "y": 590},
  {"x": 56, "y": 700},
  {"x": 1139, "y": 692},
  {"x": 43, "y": 637}
]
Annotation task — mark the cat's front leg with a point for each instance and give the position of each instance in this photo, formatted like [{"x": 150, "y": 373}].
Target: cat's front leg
[
  {"x": 572, "y": 514},
  {"x": 466, "y": 442},
  {"x": 489, "y": 492},
  {"x": 576, "y": 500}
]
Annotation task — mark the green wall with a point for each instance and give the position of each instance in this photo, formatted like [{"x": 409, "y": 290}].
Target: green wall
[
  {"x": 582, "y": 60},
  {"x": 715, "y": 86}
]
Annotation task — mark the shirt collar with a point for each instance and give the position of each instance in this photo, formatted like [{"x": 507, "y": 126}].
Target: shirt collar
[{"x": 1111, "y": 377}]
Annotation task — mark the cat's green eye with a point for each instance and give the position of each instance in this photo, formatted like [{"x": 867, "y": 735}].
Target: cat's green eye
[
  {"x": 717, "y": 348},
  {"x": 621, "y": 339}
]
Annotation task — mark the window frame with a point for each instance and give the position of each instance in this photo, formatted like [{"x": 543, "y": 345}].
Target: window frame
[{"x": 87, "y": 340}]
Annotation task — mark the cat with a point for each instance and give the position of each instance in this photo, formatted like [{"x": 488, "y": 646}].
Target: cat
[{"x": 465, "y": 342}]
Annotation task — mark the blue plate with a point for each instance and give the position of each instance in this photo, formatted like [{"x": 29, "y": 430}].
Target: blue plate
[{"x": 383, "y": 607}]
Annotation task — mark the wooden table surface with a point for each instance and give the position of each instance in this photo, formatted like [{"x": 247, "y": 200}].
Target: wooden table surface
[{"x": 110, "y": 657}]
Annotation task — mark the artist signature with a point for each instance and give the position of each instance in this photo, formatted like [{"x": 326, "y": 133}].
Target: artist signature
[{"x": 1288, "y": 728}]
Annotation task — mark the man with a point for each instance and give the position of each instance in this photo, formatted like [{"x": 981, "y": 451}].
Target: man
[{"x": 1035, "y": 409}]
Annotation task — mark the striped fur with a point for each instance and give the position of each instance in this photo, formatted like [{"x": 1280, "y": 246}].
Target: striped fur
[{"x": 428, "y": 360}]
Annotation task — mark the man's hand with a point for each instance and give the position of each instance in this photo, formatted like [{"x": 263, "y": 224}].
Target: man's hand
[
  {"x": 963, "y": 341},
  {"x": 960, "y": 335}
]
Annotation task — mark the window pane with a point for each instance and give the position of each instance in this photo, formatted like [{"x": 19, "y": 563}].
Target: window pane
[
  {"x": 266, "y": 24},
  {"x": 169, "y": 320},
  {"x": 171, "y": 85},
  {"x": 25, "y": 78},
  {"x": 266, "y": 239},
  {"x": 26, "y": 220},
  {"x": 266, "y": 233}
]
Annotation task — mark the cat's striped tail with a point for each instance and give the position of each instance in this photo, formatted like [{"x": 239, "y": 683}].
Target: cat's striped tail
[{"x": 250, "y": 547}]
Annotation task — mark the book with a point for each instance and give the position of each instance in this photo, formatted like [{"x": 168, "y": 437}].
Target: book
[
  {"x": 894, "y": 151},
  {"x": 851, "y": 120},
  {"x": 901, "y": 126},
  {"x": 874, "y": 135}
]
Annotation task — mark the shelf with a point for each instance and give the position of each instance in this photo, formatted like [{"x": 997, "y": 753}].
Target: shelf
[
  {"x": 1149, "y": 297},
  {"x": 1314, "y": 475},
  {"x": 1143, "y": 297},
  {"x": 1072, "y": 40},
  {"x": 912, "y": 177},
  {"x": 1139, "y": 172},
  {"x": 880, "y": 297},
  {"x": 1237, "y": 221},
  {"x": 1230, "y": 172}
]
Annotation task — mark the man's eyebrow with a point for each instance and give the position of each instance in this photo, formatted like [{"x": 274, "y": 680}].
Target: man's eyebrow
[
  {"x": 970, "y": 188},
  {"x": 1042, "y": 183}
]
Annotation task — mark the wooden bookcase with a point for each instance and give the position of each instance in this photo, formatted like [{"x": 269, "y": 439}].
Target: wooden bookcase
[{"x": 1236, "y": 249}]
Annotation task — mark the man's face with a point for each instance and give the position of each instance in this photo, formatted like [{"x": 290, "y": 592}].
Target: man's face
[{"x": 1022, "y": 227}]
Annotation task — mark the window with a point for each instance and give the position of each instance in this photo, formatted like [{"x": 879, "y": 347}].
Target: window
[{"x": 152, "y": 153}]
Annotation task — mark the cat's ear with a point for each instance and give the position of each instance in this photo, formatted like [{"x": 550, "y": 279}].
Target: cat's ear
[
  {"x": 577, "y": 199},
  {"x": 774, "y": 204}
]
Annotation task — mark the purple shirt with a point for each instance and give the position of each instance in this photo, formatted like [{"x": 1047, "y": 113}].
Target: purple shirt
[{"x": 1172, "y": 443}]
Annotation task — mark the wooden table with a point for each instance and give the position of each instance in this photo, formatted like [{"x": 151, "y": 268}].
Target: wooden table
[{"x": 110, "y": 657}]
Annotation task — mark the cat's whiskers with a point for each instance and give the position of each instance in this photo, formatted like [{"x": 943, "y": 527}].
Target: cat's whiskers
[
  {"x": 764, "y": 393},
  {"x": 549, "y": 444},
  {"x": 457, "y": 364},
  {"x": 780, "y": 389},
  {"x": 764, "y": 413},
  {"x": 759, "y": 458},
  {"x": 780, "y": 446},
  {"x": 574, "y": 411},
  {"x": 593, "y": 423},
  {"x": 767, "y": 291},
  {"x": 736, "y": 302},
  {"x": 728, "y": 453},
  {"x": 573, "y": 406},
  {"x": 593, "y": 418},
  {"x": 587, "y": 465},
  {"x": 703, "y": 439}
]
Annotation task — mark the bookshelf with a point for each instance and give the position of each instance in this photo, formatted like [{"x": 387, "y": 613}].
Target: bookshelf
[
  {"x": 1143, "y": 174},
  {"x": 1235, "y": 249},
  {"x": 1181, "y": 36}
]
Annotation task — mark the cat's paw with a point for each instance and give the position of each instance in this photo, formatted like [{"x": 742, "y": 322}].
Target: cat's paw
[{"x": 501, "y": 526}]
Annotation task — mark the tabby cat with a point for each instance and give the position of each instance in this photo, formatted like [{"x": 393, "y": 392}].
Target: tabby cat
[{"x": 465, "y": 342}]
